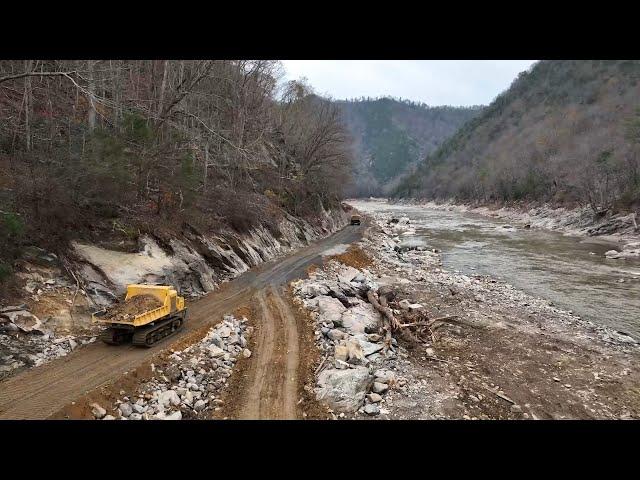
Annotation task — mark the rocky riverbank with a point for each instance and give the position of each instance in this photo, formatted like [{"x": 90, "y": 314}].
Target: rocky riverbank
[
  {"x": 490, "y": 352},
  {"x": 621, "y": 228}
]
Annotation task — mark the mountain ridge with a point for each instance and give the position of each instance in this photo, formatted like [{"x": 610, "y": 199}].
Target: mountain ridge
[
  {"x": 566, "y": 132},
  {"x": 390, "y": 134}
]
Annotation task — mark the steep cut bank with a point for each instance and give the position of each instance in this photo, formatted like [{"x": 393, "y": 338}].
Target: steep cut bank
[
  {"x": 195, "y": 263},
  {"x": 566, "y": 132},
  {"x": 49, "y": 312}
]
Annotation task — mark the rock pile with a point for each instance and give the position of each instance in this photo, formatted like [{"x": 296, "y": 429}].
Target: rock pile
[
  {"x": 189, "y": 386},
  {"x": 347, "y": 332},
  {"x": 629, "y": 250},
  {"x": 18, "y": 350},
  {"x": 18, "y": 318},
  {"x": 131, "y": 308}
]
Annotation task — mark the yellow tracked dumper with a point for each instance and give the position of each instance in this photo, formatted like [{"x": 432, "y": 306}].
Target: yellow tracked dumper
[{"x": 148, "y": 314}]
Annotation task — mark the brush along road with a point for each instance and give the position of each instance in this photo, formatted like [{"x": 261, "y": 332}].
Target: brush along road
[{"x": 40, "y": 392}]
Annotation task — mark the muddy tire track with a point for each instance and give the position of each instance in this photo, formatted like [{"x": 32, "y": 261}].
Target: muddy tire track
[{"x": 271, "y": 387}]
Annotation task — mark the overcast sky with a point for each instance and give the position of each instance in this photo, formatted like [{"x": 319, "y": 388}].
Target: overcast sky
[{"x": 434, "y": 82}]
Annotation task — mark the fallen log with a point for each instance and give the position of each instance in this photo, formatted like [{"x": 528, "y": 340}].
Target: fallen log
[
  {"x": 387, "y": 316},
  {"x": 321, "y": 364}
]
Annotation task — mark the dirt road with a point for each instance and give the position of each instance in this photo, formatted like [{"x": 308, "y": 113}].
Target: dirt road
[
  {"x": 40, "y": 392},
  {"x": 272, "y": 378}
]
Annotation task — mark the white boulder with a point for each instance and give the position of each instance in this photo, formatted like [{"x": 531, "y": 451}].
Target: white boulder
[{"x": 343, "y": 390}]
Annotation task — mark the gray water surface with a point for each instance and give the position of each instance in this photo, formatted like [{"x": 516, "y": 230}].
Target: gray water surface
[{"x": 570, "y": 271}]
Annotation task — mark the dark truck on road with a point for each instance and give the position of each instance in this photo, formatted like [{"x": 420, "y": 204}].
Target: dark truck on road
[{"x": 355, "y": 219}]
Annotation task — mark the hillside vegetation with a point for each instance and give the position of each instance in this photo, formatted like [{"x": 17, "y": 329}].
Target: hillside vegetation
[
  {"x": 389, "y": 135},
  {"x": 566, "y": 132},
  {"x": 102, "y": 148}
]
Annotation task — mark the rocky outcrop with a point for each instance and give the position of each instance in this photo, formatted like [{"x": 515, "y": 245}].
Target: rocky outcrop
[
  {"x": 195, "y": 263},
  {"x": 629, "y": 250}
]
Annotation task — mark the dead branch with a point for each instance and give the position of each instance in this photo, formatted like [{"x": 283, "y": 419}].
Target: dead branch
[
  {"x": 36, "y": 74},
  {"x": 436, "y": 359},
  {"x": 388, "y": 318},
  {"x": 499, "y": 395},
  {"x": 321, "y": 364}
]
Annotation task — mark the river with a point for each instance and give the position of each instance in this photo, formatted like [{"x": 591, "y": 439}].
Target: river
[{"x": 570, "y": 271}]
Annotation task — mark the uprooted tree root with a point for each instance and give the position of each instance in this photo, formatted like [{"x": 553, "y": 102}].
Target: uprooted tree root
[{"x": 416, "y": 330}]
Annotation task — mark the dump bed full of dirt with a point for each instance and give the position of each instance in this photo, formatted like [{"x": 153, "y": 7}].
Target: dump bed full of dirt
[{"x": 133, "y": 307}]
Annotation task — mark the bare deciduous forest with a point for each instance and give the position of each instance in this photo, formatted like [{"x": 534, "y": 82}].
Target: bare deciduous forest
[
  {"x": 566, "y": 132},
  {"x": 132, "y": 146}
]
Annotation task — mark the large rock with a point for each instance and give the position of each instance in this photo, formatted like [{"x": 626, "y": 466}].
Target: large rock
[
  {"x": 177, "y": 415},
  {"x": 407, "y": 305},
  {"x": 411, "y": 244},
  {"x": 357, "y": 318},
  {"x": 347, "y": 274},
  {"x": 379, "y": 387},
  {"x": 170, "y": 397},
  {"x": 224, "y": 331},
  {"x": 25, "y": 321},
  {"x": 310, "y": 290},
  {"x": 372, "y": 409},
  {"x": 341, "y": 353},
  {"x": 368, "y": 348},
  {"x": 355, "y": 355},
  {"x": 215, "y": 351},
  {"x": 125, "y": 409},
  {"x": 330, "y": 309},
  {"x": 98, "y": 411},
  {"x": 343, "y": 390},
  {"x": 337, "y": 335},
  {"x": 384, "y": 376},
  {"x": 625, "y": 253}
]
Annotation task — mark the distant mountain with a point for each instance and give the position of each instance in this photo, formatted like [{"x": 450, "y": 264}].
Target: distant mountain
[
  {"x": 389, "y": 135},
  {"x": 566, "y": 131}
]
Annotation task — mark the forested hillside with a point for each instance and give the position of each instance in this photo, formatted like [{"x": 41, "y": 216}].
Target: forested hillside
[
  {"x": 567, "y": 132},
  {"x": 389, "y": 135},
  {"x": 95, "y": 148}
]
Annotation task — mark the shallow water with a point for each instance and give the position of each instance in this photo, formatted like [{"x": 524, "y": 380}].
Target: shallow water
[{"x": 570, "y": 271}]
